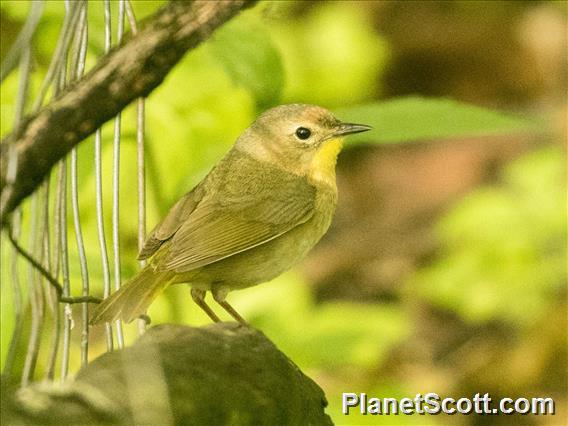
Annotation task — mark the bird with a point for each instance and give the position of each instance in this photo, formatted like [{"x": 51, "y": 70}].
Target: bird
[{"x": 256, "y": 214}]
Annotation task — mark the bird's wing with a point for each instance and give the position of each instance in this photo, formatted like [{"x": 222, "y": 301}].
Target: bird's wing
[
  {"x": 172, "y": 222},
  {"x": 247, "y": 210}
]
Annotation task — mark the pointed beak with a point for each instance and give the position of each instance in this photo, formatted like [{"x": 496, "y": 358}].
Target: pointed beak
[{"x": 350, "y": 128}]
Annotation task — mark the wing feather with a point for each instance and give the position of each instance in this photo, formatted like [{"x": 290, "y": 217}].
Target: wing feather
[
  {"x": 241, "y": 204},
  {"x": 171, "y": 223},
  {"x": 212, "y": 235}
]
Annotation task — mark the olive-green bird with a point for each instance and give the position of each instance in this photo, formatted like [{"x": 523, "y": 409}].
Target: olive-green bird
[{"x": 254, "y": 216}]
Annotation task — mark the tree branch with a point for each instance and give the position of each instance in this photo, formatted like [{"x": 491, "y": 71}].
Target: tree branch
[{"x": 124, "y": 74}]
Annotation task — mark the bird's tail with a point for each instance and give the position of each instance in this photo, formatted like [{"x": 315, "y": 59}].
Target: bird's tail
[{"x": 133, "y": 298}]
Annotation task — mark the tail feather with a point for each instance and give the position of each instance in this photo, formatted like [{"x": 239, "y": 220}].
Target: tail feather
[{"x": 133, "y": 298}]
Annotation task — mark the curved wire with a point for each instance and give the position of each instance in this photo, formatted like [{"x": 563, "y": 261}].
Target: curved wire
[
  {"x": 116, "y": 189},
  {"x": 81, "y": 38},
  {"x": 99, "y": 193}
]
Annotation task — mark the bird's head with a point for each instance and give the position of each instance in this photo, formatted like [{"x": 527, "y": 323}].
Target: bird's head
[{"x": 302, "y": 139}]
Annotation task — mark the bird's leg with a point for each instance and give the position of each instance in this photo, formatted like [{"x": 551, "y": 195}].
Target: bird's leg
[
  {"x": 198, "y": 297},
  {"x": 219, "y": 295}
]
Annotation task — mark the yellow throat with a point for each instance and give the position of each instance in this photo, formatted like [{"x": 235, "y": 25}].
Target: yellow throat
[{"x": 323, "y": 164}]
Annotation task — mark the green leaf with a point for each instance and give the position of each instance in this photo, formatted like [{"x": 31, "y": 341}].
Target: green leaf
[
  {"x": 250, "y": 58},
  {"x": 413, "y": 118}
]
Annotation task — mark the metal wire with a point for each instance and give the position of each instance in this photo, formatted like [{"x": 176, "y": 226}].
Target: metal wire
[
  {"x": 23, "y": 41},
  {"x": 140, "y": 164},
  {"x": 57, "y": 261},
  {"x": 59, "y": 222},
  {"x": 54, "y": 304},
  {"x": 39, "y": 232},
  {"x": 81, "y": 38},
  {"x": 99, "y": 194},
  {"x": 17, "y": 301},
  {"x": 62, "y": 198},
  {"x": 82, "y": 257},
  {"x": 23, "y": 86},
  {"x": 116, "y": 189},
  {"x": 48, "y": 255},
  {"x": 22, "y": 96},
  {"x": 36, "y": 314},
  {"x": 67, "y": 313},
  {"x": 50, "y": 295},
  {"x": 141, "y": 175},
  {"x": 57, "y": 61}
]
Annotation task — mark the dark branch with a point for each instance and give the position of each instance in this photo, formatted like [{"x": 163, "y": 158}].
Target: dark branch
[
  {"x": 52, "y": 281},
  {"x": 50, "y": 278},
  {"x": 124, "y": 74}
]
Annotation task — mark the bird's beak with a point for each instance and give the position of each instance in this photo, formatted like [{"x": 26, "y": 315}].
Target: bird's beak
[{"x": 350, "y": 128}]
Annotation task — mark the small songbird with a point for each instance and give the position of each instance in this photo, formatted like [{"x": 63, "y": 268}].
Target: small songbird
[{"x": 255, "y": 215}]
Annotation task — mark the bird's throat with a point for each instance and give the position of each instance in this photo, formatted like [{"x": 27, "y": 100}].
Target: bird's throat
[{"x": 323, "y": 164}]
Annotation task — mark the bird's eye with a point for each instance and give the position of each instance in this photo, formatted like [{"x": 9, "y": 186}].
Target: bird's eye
[{"x": 303, "y": 133}]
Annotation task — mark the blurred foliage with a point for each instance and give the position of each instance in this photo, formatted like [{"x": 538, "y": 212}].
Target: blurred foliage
[
  {"x": 244, "y": 47},
  {"x": 505, "y": 246},
  {"x": 331, "y": 54},
  {"x": 502, "y": 255}
]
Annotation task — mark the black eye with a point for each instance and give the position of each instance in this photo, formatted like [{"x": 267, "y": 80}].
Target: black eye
[{"x": 303, "y": 133}]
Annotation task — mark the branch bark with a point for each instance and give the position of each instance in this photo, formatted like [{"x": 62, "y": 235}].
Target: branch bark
[{"x": 124, "y": 74}]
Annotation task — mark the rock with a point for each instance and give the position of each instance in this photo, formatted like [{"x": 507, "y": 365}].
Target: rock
[{"x": 216, "y": 375}]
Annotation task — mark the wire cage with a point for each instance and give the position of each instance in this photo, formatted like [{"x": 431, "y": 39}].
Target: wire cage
[{"x": 45, "y": 242}]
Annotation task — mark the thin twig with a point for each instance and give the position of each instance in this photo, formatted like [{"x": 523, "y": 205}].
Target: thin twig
[{"x": 52, "y": 281}]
